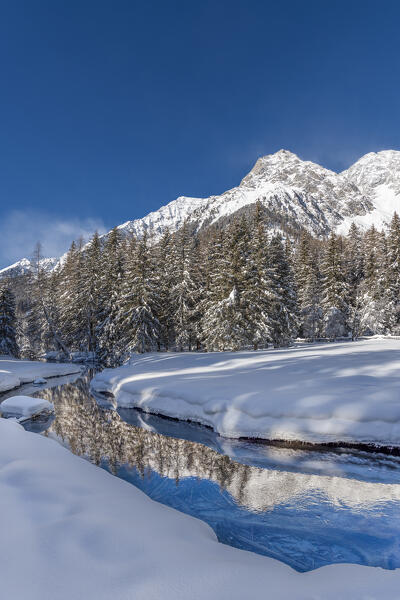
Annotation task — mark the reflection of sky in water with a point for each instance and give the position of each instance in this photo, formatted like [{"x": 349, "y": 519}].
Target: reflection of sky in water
[{"x": 304, "y": 508}]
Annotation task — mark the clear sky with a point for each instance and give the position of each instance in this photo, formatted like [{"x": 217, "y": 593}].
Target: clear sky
[{"x": 110, "y": 109}]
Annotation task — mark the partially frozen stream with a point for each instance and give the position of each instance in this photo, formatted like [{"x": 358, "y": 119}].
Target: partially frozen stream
[{"x": 305, "y": 508}]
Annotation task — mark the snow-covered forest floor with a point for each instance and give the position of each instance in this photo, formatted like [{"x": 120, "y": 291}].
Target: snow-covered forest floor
[
  {"x": 71, "y": 530},
  {"x": 14, "y": 372},
  {"x": 334, "y": 392}
]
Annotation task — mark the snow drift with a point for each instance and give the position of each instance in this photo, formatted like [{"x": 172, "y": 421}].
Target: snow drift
[
  {"x": 71, "y": 530},
  {"x": 340, "y": 392},
  {"x": 25, "y": 407},
  {"x": 14, "y": 372}
]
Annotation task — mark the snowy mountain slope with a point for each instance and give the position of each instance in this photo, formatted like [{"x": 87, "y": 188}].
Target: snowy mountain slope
[
  {"x": 298, "y": 192},
  {"x": 377, "y": 175},
  {"x": 24, "y": 266}
]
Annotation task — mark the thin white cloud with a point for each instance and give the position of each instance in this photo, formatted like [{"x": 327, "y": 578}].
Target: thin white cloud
[{"x": 21, "y": 230}]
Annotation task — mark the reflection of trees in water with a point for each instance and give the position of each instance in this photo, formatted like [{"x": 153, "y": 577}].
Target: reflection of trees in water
[{"x": 101, "y": 434}]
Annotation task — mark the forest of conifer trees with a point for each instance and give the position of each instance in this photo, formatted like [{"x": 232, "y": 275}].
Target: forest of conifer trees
[{"x": 225, "y": 288}]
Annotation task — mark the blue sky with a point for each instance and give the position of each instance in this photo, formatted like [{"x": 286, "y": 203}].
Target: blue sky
[{"x": 111, "y": 109}]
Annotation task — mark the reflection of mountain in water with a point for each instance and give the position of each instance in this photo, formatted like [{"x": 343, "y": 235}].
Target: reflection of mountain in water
[{"x": 101, "y": 435}]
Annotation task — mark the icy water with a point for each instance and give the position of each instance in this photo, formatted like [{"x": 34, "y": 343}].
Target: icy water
[{"x": 304, "y": 508}]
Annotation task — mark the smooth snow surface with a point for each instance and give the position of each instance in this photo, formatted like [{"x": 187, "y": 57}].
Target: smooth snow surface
[
  {"x": 14, "y": 373},
  {"x": 347, "y": 392},
  {"x": 72, "y": 531},
  {"x": 24, "y": 406}
]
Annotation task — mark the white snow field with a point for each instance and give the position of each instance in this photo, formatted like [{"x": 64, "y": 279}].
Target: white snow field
[
  {"x": 14, "y": 372},
  {"x": 72, "y": 531},
  {"x": 347, "y": 391},
  {"x": 25, "y": 407}
]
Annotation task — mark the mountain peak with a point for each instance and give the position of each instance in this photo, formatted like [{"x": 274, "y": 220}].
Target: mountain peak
[
  {"x": 282, "y": 153},
  {"x": 283, "y": 167},
  {"x": 296, "y": 194},
  {"x": 376, "y": 169},
  {"x": 26, "y": 265}
]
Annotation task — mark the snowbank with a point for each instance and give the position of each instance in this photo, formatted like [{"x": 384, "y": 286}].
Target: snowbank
[
  {"x": 71, "y": 530},
  {"x": 25, "y": 407},
  {"x": 14, "y": 373},
  {"x": 346, "y": 392}
]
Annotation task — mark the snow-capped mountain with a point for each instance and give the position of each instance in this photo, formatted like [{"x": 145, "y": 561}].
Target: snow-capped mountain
[
  {"x": 24, "y": 266},
  {"x": 296, "y": 193},
  {"x": 377, "y": 175}
]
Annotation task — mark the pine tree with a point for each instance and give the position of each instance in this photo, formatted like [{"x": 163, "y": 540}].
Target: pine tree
[
  {"x": 24, "y": 337},
  {"x": 372, "y": 297},
  {"x": 198, "y": 270},
  {"x": 393, "y": 274},
  {"x": 183, "y": 294},
  {"x": 91, "y": 292},
  {"x": 109, "y": 332},
  {"x": 258, "y": 293},
  {"x": 164, "y": 280},
  {"x": 139, "y": 304},
  {"x": 354, "y": 267},
  {"x": 44, "y": 309},
  {"x": 8, "y": 323},
  {"x": 354, "y": 263},
  {"x": 335, "y": 290},
  {"x": 308, "y": 283},
  {"x": 71, "y": 300},
  {"x": 51, "y": 333},
  {"x": 284, "y": 305},
  {"x": 226, "y": 324}
]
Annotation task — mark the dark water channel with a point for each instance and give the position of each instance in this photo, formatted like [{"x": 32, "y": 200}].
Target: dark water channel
[{"x": 304, "y": 508}]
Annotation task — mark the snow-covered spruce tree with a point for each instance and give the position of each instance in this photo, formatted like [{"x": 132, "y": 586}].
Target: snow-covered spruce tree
[
  {"x": 139, "y": 304},
  {"x": 393, "y": 275},
  {"x": 91, "y": 292},
  {"x": 258, "y": 291},
  {"x": 44, "y": 310},
  {"x": 51, "y": 325},
  {"x": 354, "y": 258},
  {"x": 30, "y": 319},
  {"x": 164, "y": 280},
  {"x": 372, "y": 295},
  {"x": 183, "y": 294},
  {"x": 308, "y": 284},
  {"x": 24, "y": 337},
  {"x": 284, "y": 306},
  {"x": 8, "y": 323},
  {"x": 109, "y": 332},
  {"x": 198, "y": 262},
  {"x": 215, "y": 288},
  {"x": 354, "y": 273},
  {"x": 226, "y": 324},
  {"x": 71, "y": 301},
  {"x": 335, "y": 290}
]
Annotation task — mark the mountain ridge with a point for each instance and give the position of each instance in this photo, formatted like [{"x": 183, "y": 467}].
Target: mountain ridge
[
  {"x": 297, "y": 192},
  {"x": 317, "y": 198}
]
